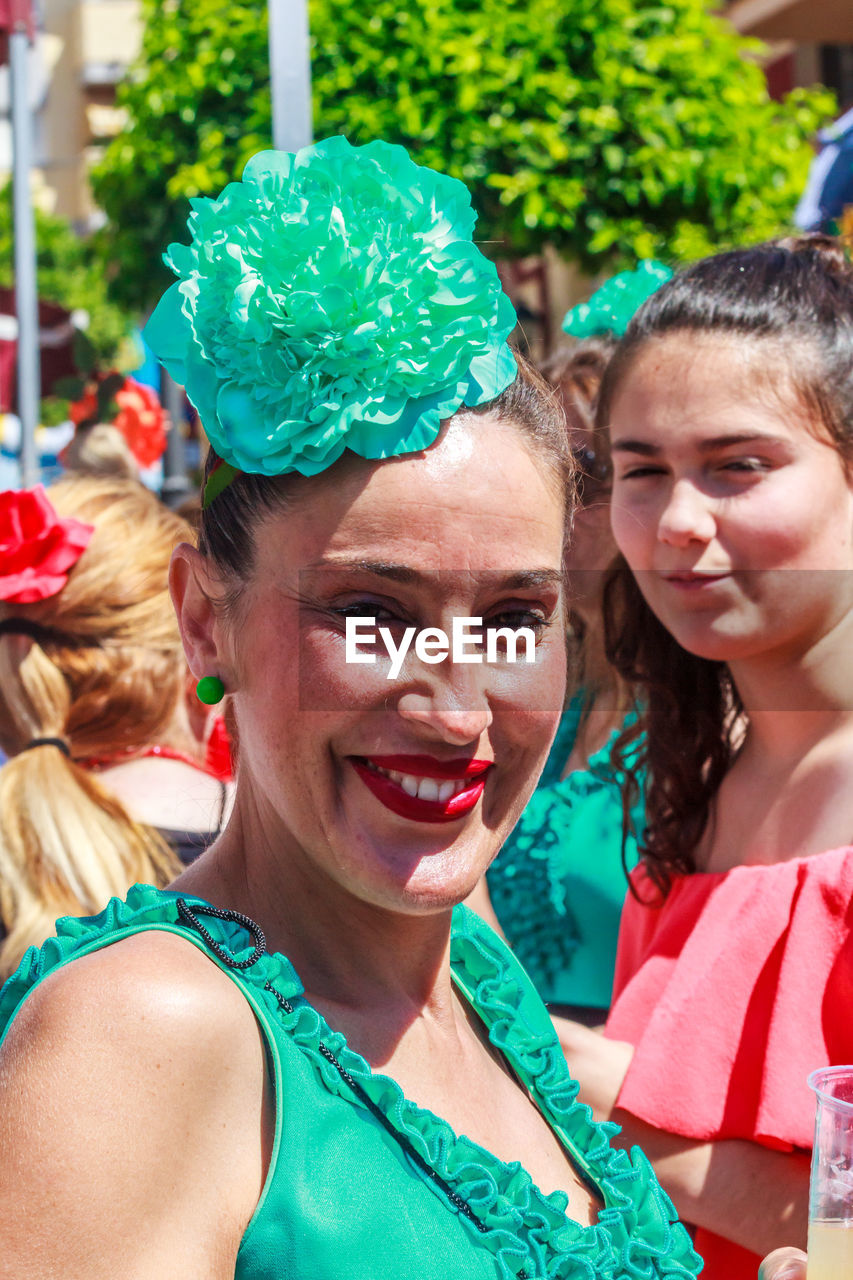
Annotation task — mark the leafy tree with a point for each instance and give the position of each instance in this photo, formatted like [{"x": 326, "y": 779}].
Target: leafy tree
[
  {"x": 614, "y": 129},
  {"x": 70, "y": 273}
]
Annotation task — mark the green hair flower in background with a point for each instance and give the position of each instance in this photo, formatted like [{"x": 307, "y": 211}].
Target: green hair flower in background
[
  {"x": 333, "y": 299},
  {"x": 611, "y": 308}
]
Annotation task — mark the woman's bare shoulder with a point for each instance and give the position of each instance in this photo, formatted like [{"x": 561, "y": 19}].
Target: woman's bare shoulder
[
  {"x": 134, "y": 1078},
  {"x": 154, "y": 971}
]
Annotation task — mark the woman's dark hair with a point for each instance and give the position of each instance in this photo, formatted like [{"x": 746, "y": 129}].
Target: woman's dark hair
[
  {"x": 228, "y": 522},
  {"x": 576, "y": 372},
  {"x": 796, "y": 293}
]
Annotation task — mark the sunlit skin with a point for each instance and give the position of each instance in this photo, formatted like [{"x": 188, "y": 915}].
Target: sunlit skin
[
  {"x": 719, "y": 471},
  {"x": 438, "y": 536}
]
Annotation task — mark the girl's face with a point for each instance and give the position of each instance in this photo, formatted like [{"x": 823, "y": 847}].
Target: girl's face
[
  {"x": 399, "y": 791},
  {"x": 731, "y": 506}
]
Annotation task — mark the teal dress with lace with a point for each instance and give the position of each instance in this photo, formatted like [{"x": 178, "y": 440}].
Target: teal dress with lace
[
  {"x": 558, "y": 883},
  {"x": 365, "y": 1185}
]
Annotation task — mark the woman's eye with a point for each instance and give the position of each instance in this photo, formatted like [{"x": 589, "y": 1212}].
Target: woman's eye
[
  {"x": 365, "y": 609},
  {"x": 516, "y": 620},
  {"x": 640, "y": 473},
  {"x": 746, "y": 465}
]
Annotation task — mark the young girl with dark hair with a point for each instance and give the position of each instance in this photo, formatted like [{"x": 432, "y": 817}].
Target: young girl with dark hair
[{"x": 730, "y": 409}]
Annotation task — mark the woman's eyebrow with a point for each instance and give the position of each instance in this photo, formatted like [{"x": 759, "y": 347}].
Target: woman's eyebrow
[
  {"x": 634, "y": 446},
  {"x": 532, "y": 578},
  {"x": 516, "y": 579},
  {"x": 379, "y": 568},
  {"x": 649, "y": 450},
  {"x": 743, "y": 437}
]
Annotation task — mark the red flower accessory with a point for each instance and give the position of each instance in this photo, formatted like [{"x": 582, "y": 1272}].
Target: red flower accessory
[
  {"x": 132, "y": 408},
  {"x": 142, "y": 421},
  {"x": 86, "y": 408},
  {"x": 37, "y": 547}
]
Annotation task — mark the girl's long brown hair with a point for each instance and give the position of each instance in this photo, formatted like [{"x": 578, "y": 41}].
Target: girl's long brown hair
[{"x": 797, "y": 294}]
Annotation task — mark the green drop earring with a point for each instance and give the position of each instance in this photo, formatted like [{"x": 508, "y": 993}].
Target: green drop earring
[{"x": 210, "y": 690}]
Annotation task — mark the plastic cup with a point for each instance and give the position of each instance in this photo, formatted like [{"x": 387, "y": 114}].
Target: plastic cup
[{"x": 831, "y": 1186}]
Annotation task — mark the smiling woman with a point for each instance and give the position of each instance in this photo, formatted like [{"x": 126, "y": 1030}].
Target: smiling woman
[{"x": 305, "y": 1059}]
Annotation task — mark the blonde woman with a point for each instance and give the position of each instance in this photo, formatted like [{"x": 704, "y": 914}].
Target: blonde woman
[{"x": 105, "y": 784}]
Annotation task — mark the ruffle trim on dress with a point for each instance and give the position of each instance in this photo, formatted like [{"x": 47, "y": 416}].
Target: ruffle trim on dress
[
  {"x": 145, "y": 907},
  {"x": 637, "y": 1236},
  {"x": 530, "y": 875}
]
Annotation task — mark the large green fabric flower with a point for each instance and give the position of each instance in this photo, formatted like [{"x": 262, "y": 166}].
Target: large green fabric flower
[
  {"x": 612, "y": 307},
  {"x": 333, "y": 299}
]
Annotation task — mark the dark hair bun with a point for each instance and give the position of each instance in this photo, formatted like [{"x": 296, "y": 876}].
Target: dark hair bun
[{"x": 831, "y": 252}]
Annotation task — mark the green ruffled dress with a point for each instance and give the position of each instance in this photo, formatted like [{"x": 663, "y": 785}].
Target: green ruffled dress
[
  {"x": 363, "y": 1183},
  {"x": 558, "y": 884}
]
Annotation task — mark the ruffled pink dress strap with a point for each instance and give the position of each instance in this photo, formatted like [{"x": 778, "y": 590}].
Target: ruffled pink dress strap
[{"x": 732, "y": 991}]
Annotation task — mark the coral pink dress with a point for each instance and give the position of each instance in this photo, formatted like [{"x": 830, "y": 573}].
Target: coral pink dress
[{"x": 732, "y": 991}]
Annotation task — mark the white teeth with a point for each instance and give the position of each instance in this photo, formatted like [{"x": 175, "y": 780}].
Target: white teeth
[{"x": 425, "y": 788}]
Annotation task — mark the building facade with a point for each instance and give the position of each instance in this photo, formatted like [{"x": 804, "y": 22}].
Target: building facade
[
  {"x": 810, "y": 41},
  {"x": 82, "y": 50}
]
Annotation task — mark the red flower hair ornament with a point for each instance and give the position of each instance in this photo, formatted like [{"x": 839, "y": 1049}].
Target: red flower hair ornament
[
  {"x": 38, "y": 548},
  {"x": 132, "y": 408}
]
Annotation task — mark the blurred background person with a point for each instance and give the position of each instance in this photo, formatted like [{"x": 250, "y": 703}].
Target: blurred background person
[
  {"x": 106, "y": 783},
  {"x": 556, "y": 888},
  {"x": 100, "y": 450}
]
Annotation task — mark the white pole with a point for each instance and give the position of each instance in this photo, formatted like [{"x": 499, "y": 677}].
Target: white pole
[
  {"x": 290, "y": 74},
  {"x": 26, "y": 290}
]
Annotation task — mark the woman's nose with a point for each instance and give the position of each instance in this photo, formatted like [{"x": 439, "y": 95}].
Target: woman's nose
[
  {"x": 451, "y": 701},
  {"x": 687, "y": 516}
]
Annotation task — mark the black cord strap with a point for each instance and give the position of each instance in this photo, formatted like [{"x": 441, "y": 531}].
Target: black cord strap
[
  {"x": 191, "y": 918},
  {"x": 400, "y": 1138}
]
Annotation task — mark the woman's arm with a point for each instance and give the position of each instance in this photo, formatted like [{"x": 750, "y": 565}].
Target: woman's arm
[
  {"x": 740, "y": 1190},
  {"x": 131, "y": 1115},
  {"x": 751, "y": 1195}
]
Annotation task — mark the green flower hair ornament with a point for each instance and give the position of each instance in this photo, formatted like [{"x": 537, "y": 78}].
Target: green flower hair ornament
[
  {"x": 333, "y": 299},
  {"x": 611, "y": 308}
]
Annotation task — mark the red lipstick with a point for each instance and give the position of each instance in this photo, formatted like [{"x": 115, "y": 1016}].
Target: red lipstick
[
  {"x": 429, "y": 767},
  {"x": 393, "y": 797}
]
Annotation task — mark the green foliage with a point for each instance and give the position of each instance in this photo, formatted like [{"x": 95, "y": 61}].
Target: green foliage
[
  {"x": 70, "y": 273},
  {"x": 614, "y": 129}
]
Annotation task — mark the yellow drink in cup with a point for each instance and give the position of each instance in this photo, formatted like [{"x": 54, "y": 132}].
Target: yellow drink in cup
[
  {"x": 830, "y": 1250},
  {"x": 831, "y": 1186}
]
